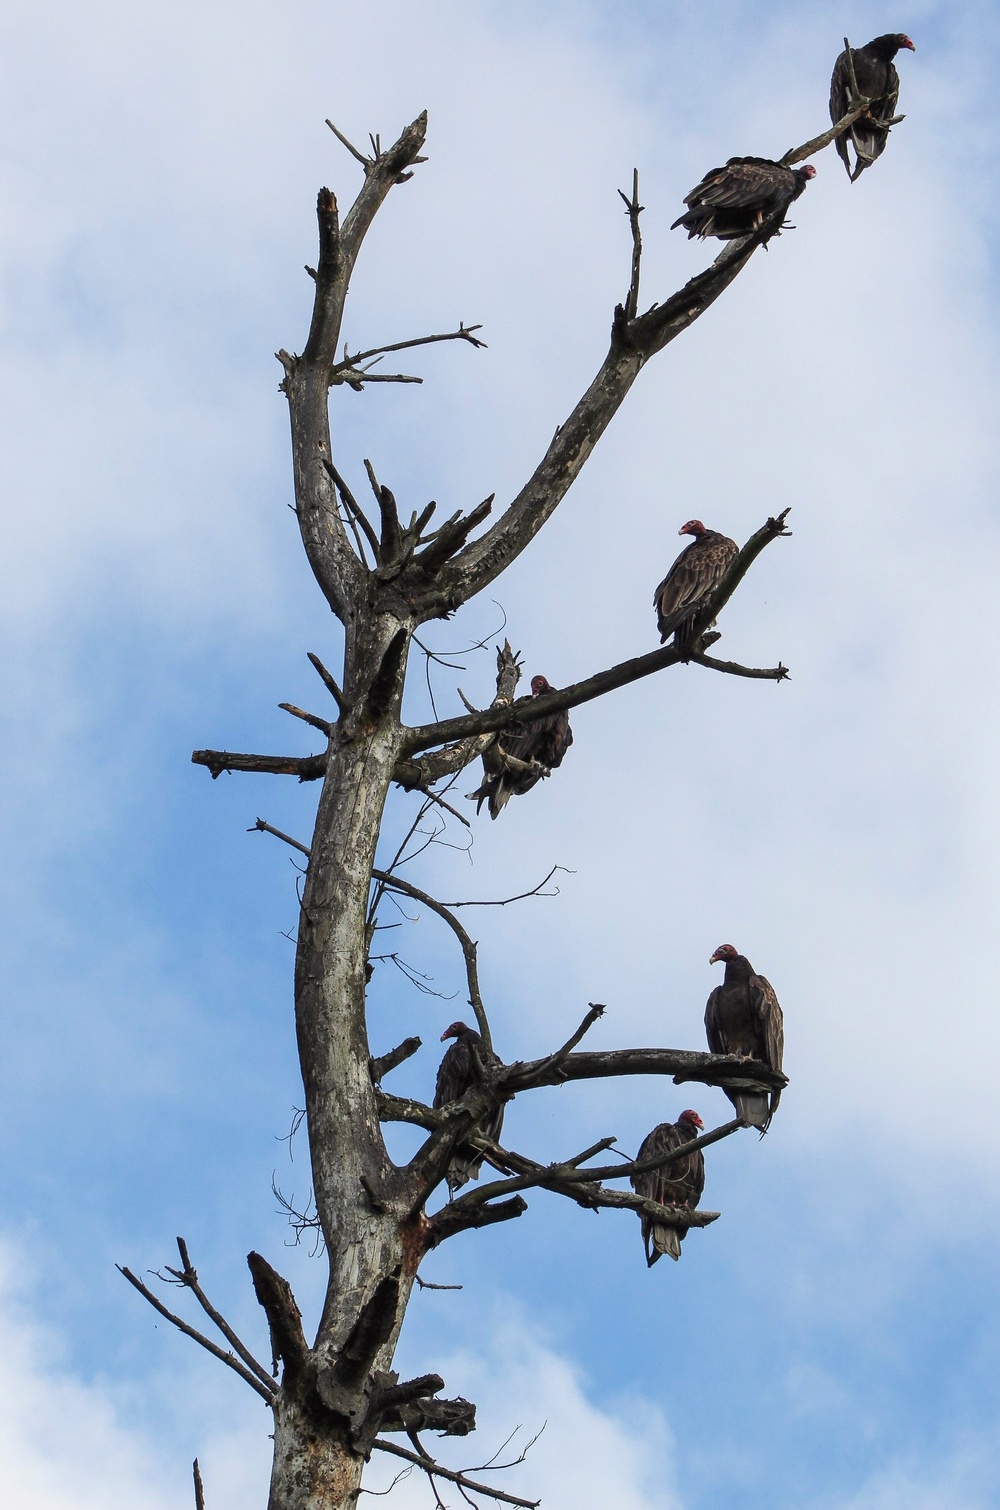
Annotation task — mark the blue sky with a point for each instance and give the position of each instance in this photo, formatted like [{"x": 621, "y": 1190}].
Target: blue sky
[{"x": 832, "y": 1342}]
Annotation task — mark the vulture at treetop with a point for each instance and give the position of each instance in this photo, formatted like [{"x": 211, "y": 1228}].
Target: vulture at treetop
[
  {"x": 695, "y": 574},
  {"x": 734, "y": 200},
  {"x": 679, "y": 1183},
  {"x": 542, "y": 743},
  {"x": 743, "y": 1017},
  {"x": 878, "y": 81},
  {"x": 459, "y": 1070}
]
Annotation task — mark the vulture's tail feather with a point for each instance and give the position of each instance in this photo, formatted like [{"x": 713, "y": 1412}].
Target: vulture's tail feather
[
  {"x": 753, "y": 1107},
  {"x": 664, "y": 1240}
]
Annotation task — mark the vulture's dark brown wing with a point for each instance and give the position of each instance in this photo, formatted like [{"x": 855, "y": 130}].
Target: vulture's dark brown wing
[
  {"x": 694, "y": 575},
  {"x": 554, "y": 738},
  {"x": 765, "y": 1005},
  {"x": 679, "y": 1183},
  {"x": 456, "y": 1073},
  {"x": 713, "y": 1025},
  {"x": 745, "y": 183},
  {"x": 544, "y": 740},
  {"x": 840, "y": 92}
]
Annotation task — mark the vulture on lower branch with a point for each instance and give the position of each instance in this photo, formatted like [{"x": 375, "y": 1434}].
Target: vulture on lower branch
[
  {"x": 540, "y": 745},
  {"x": 694, "y": 576},
  {"x": 678, "y": 1183},
  {"x": 743, "y": 1017},
  {"x": 877, "y": 79},
  {"x": 734, "y": 200},
  {"x": 460, "y": 1069}
]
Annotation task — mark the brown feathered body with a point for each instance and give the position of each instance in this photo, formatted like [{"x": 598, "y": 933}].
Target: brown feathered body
[
  {"x": 878, "y": 81},
  {"x": 461, "y": 1069},
  {"x": 541, "y": 743},
  {"x": 693, "y": 577},
  {"x": 679, "y": 1183},
  {"x": 743, "y": 1017},
  {"x": 734, "y": 200}
]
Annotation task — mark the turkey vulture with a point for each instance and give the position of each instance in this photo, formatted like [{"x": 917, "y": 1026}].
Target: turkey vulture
[
  {"x": 743, "y": 1017},
  {"x": 734, "y": 200},
  {"x": 542, "y": 743},
  {"x": 695, "y": 574},
  {"x": 459, "y": 1070},
  {"x": 878, "y": 81},
  {"x": 679, "y": 1183}
]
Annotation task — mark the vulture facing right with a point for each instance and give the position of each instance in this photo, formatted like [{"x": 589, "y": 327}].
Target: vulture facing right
[
  {"x": 743, "y": 1017},
  {"x": 734, "y": 200},
  {"x": 693, "y": 577},
  {"x": 540, "y": 744},
  {"x": 878, "y": 81},
  {"x": 679, "y": 1183},
  {"x": 459, "y": 1070}
]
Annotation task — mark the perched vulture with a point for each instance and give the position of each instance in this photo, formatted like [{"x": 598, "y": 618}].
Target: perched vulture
[
  {"x": 541, "y": 744},
  {"x": 677, "y": 1184},
  {"x": 695, "y": 574},
  {"x": 459, "y": 1070},
  {"x": 878, "y": 81},
  {"x": 743, "y": 1017},
  {"x": 734, "y": 200}
]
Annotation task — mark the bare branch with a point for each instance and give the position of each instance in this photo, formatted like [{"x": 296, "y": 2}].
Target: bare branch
[
  {"x": 808, "y": 149},
  {"x": 463, "y": 333},
  {"x": 468, "y": 948},
  {"x": 366, "y": 162},
  {"x": 354, "y": 509},
  {"x": 434, "y": 1469},
  {"x": 328, "y": 681},
  {"x": 284, "y": 1318},
  {"x": 265, "y": 828},
  {"x": 425, "y": 1284},
  {"x": 305, "y": 767},
  {"x": 308, "y": 718},
  {"x": 633, "y": 210},
  {"x": 188, "y": 1275},
  {"x": 266, "y": 1392},
  {"x": 199, "y": 1488},
  {"x": 549, "y": 1069},
  {"x": 381, "y": 1066},
  {"x": 778, "y": 673},
  {"x": 527, "y": 709},
  {"x": 457, "y": 1217},
  {"x": 729, "y": 1071}
]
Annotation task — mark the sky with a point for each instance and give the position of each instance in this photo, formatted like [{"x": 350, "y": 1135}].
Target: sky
[{"x": 832, "y": 1342}]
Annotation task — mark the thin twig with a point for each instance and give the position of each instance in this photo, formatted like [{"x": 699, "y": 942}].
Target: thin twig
[
  {"x": 633, "y": 210},
  {"x": 463, "y": 333},
  {"x": 328, "y": 681},
  {"x": 425, "y": 1284},
  {"x": 778, "y": 673},
  {"x": 265, "y": 828},
  {"x": 229, "y": 1359},
  {"x": 433, "y": 1468},
  {"x": 308, "y": 718},
  {"x": 188, "y": 1275},
  {"x": 366, "y": 162},
  {"x": 469, "y": 953}
]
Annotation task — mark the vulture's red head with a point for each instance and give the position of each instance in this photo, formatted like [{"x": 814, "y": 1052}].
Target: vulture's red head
[
  {"x": 902, "y": 40},
  {"x": 693, "y": 527},
  {"x": 724, "y": 952},
  {"x": 455, "y": 1031},
  {"x": 693, "y": 1118},
  {"x": 808, "y": 171},
  {"x": 540, "y": 685}
]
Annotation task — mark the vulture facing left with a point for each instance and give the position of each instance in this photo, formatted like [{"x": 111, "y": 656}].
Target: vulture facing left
[
  {"x": 679, "y": 1183},
  {"x": 877, "y": 79},
  {"x": 734, "y": 200},
  {"x": 693, "y": 577},
  {"x": 540, "y": 744},
  {"x": 459, "y": 1070},
  {"x": 743, "y": 1017}
]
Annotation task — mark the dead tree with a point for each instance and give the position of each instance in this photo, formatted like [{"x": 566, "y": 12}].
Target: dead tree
[{"x": 335, "y": 1398}]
